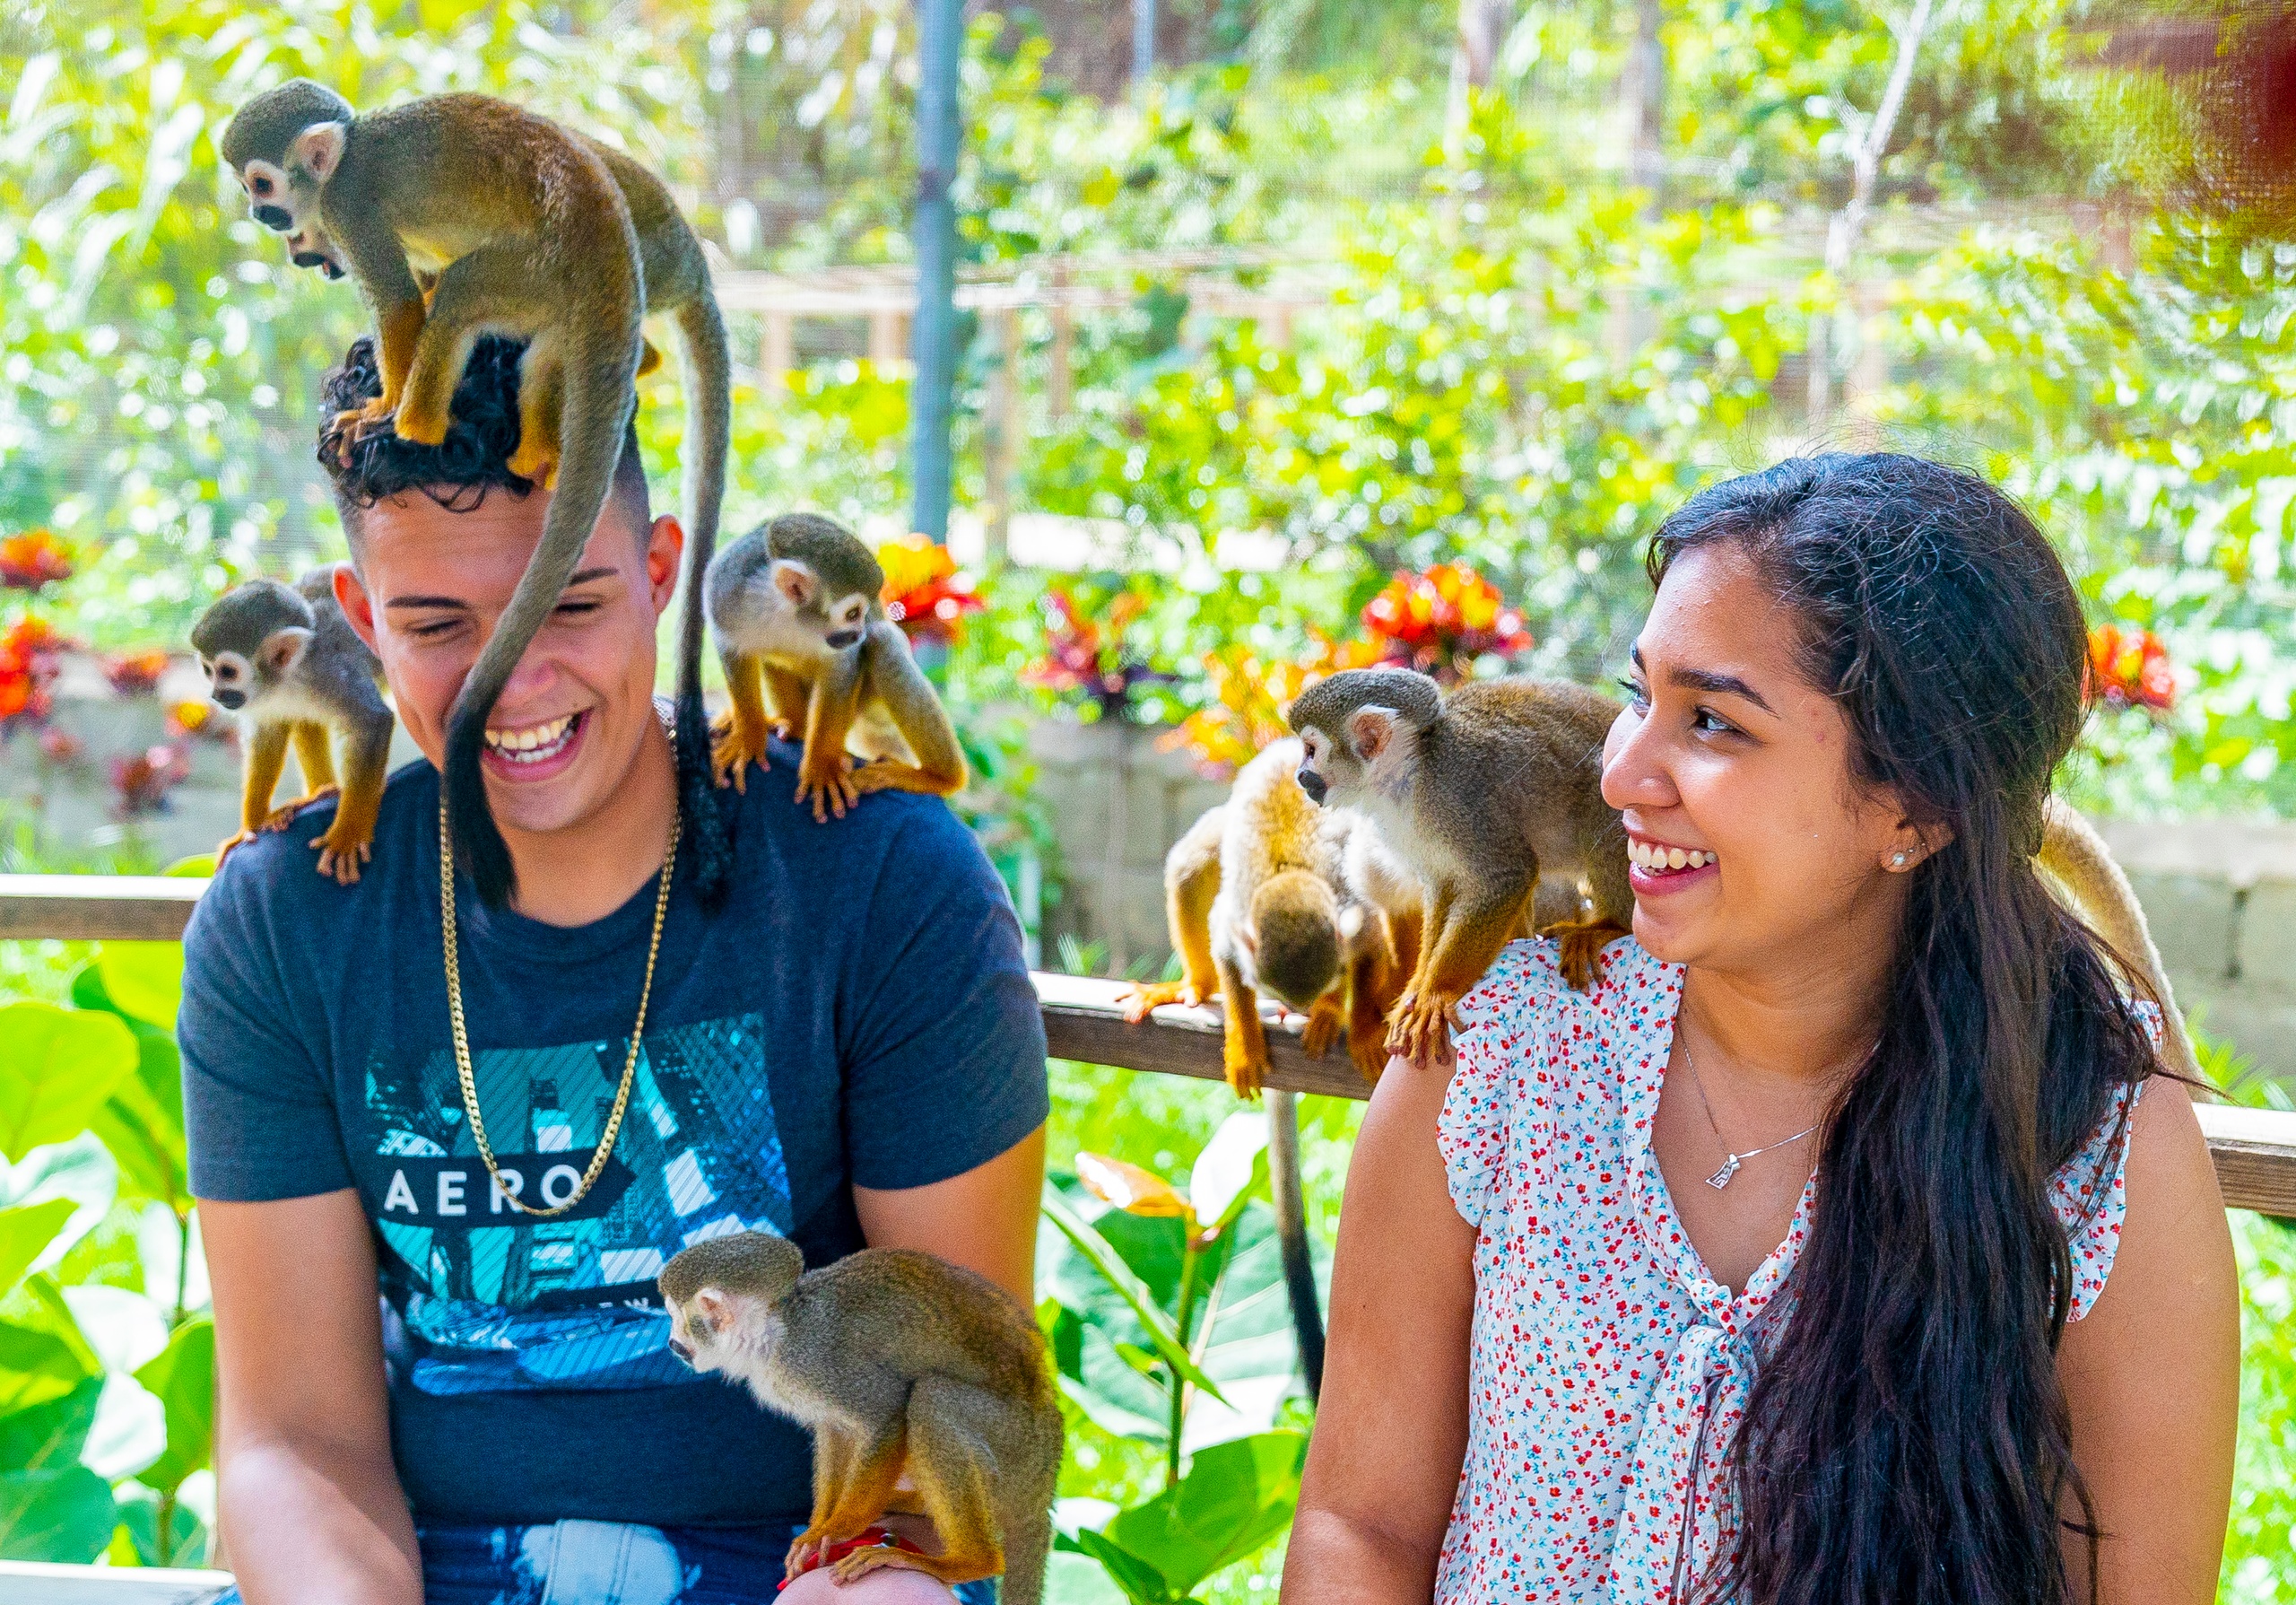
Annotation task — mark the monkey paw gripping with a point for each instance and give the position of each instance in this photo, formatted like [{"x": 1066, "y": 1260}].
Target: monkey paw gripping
[
  {"x": 342, "y": 849},
  {"x": 1325, "y": 1023},
  {"x": 1143, "y": 998},
  {"x": 827, "y": 784},
  {"x": 1581, "y": 944},
  {"x": 1419, "y": 1032}
]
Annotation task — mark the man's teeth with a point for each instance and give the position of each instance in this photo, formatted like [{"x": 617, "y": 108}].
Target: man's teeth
[
  {"x": 534, "y": 743},
  {"x": 1650, "y": 856}
]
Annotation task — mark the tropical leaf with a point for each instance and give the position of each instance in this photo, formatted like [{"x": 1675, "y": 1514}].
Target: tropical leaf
[
  {"x": 79, "y": 1172},
  {"x": 1131, "y": 1189},
  {"x": 143, "y": 980},
  {"x": 184, "y": 1379},
  {"x": 25, "y": 1232},
  {"x": 51, "y": 1435},
  {"x": 62, "y": 1515},
  {"x": 56, "y": 1067},
  {"x": 1228, "y": 1168},
  {"x": 1235, "y": 1498},
  {"x": 1161, "y": 1334},
  {"x": 35, "y": 1367}
]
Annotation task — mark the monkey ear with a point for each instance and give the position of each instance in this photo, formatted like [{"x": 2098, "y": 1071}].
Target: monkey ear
[
  {"x": 318, "y": 148},
  {"x": 283, "y": 648},
  {"x": 795, "y": 581},
  {"x": 1369, "y": 731},
  {"x": 714, "y": 1306}
]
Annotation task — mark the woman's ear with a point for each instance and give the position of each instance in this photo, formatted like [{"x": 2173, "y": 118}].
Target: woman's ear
[{"x": 1911, "y": 843}]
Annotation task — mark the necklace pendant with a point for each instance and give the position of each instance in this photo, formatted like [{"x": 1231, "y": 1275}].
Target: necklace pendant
[{"x": 1721, "y": 1178}]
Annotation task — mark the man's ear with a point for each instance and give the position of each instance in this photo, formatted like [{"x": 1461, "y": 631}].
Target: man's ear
[
  {"x": 282, "y": 648},
  {"x": 1370, "y": 731},
  {"x": 665, "y": 546},
  {"x": 358, "y": 606},
  {"x": 318, "y": 149}
]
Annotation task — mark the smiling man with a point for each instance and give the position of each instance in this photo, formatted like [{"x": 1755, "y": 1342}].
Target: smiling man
[{"x": 425, "y": 1391}]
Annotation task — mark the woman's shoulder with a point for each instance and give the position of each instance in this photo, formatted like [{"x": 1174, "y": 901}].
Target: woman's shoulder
[{"x": 1525, "y": 989}]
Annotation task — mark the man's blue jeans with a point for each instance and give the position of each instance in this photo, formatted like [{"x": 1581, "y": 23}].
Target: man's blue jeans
[{"x": 609, "y": 1563}]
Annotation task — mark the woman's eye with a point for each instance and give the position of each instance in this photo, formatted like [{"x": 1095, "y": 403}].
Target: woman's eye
[
  {"x": 1636, "y": 697},
  {"x": 1711, "y": 722}
]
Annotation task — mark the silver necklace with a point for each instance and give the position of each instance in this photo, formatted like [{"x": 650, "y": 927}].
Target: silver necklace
[{"x": 1721, "y": 1178}]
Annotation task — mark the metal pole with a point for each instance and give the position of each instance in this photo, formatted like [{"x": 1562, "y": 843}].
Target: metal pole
[
  {"x": 1144, "y": 45},
  {"x": 938, "y": 33}
]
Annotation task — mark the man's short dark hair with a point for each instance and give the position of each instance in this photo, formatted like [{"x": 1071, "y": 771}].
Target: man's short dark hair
[{"x": 472, "y": 460}]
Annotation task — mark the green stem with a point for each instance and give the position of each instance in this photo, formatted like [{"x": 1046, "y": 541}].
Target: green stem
[
  {"x": 183, "y": 1267},
  {"x": 1178, "y": 1402},
  {"x": 165, "y": 1523}
]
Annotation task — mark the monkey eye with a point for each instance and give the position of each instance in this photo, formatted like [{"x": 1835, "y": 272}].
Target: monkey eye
[{"x": 261, "y": 186}]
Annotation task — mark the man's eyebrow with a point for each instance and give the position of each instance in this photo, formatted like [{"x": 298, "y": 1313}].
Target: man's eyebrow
[
  {"x": 459, "y": 606},
  {"x": 1699, "y": 679}
]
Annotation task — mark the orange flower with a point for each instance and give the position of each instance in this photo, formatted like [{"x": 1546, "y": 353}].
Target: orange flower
[
  {"x": 1131, "y": 1189},
  {"x": 1439, "y": 622},
  {"x": 137, "y": 673},
  {"x": 27, "y": 665},
  {"x": 2130, "y": 668},
  {"x": 1249, "y": 696},
  {"x": 924, "y": 594},
  {"x": 33, "y": 559},
  {"x": 1080, "y": 656}
]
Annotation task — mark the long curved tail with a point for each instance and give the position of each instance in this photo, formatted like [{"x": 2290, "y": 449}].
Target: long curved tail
[
  {"x": 710, "y": 415},
  {"x": 1285, "y": 1184},
  {"x": 2075, "y": 857},
  {"x": 600, "y": 393}
]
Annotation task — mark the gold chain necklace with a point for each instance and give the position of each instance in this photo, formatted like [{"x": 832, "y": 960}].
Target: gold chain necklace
[{"x": 462, "y": 1042}]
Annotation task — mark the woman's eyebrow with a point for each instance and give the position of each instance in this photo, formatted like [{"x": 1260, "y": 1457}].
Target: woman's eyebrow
[{"x": 1699, "y": 679}]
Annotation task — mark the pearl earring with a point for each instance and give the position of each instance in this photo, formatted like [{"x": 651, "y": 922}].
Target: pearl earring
[{"x": 1896, "y": 861}]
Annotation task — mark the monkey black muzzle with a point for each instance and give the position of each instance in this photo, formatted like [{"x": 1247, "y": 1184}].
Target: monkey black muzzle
[
  {"x": 839, "y": 640},
  {"x": 277, "y": 219},
  {"x": 680, "y": 1348},
  {"x": 1312, "y": 784},
  {"x": 233, "y": 700}
]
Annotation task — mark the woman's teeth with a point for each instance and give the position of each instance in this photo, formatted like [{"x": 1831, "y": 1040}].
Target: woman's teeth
[
  {"x": 535, "y": 743},
  {"x": 1657, "y": 861}
]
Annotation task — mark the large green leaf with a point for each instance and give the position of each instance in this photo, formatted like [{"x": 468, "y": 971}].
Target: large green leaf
[
  {"x": 143, "y": 1122},
  {"x": 1075, "y": 1580},
  {"x": 1141, "y": 1582},
  {"x": 1161, "y": 1334},
  {"x": 143, "y": 980},
  {"x": 138, "y": 1541},
  {"x": 56, "y": 1067},
  {"x": 51, "y": 1435},
  {"x": 63, "y": 1515},
  {"x": 79, "y": 1172},
  {"x": 184, "y": 1378},
  {"x": 37, "y": 1366},
  {"x": 1236, "y": 1497},
  {"x": 24, "y": 1231},
  {"x": 1229, "y": 1169},
  {"x": 1112, "y": 1392}
]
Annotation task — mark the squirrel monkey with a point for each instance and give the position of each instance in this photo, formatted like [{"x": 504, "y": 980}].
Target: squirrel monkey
[
  {"x": 894, "y": 1360},
  {"x": 807, "y": 649},
  {"x": 2078, "y": 867},
  {"x": 288, "y": 662},
  {"x": 461, "y": 214},
  {"x": 1258, "y": 898},
  {"x": 1481, "y": 791}
]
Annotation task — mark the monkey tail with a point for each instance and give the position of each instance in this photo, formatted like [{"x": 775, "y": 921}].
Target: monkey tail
[
  {"x": 600, "y": 394},
  {"x": 709, "y": 413},
  {"x": 2076, "y": 857},
  {"x": 1027, "y": 1542},
  {"x": 1283, "y": 1184}
]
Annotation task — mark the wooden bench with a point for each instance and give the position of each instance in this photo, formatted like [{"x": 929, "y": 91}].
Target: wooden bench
[{"x": 2254, "y": 1149}]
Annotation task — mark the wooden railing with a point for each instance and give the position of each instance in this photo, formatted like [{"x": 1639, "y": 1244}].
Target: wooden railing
[{"x": 2254, "y": 1149}]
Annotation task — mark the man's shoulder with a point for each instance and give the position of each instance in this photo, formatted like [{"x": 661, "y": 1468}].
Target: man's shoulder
[
  {"x": 274, "y": 878},
  {"x": 885, "y": 826}
]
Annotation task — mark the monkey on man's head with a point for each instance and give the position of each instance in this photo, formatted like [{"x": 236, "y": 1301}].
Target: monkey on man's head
[
  {"x": 809, "y": 653},
  {"x": 1481, "y": 791},
  {"x": 459, "y": 216},
  {"x": 286, "y": 660},
  {"x": 896, "y": 1360}
]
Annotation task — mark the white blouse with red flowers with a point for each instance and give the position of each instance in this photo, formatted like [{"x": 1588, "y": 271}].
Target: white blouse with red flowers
[{"x": 1609, "y": 1371}]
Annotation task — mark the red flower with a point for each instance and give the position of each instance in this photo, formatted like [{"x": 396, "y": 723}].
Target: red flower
[
  {"x": 34, "y": 559},
  {"x": 60, "y": 746},
  {"x": 1439, "y": 622},
  {"x": 924, "y": 592},
  {"x": 141, "y": 783},
  {"x": 137, "y": 673},
  {"x": 1080, "y": 657},
  {"x": 28, "y": 652},
  {"x": 2130, "y": 668}
]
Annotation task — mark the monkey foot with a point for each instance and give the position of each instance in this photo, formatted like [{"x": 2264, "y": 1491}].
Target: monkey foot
[
  {"x": 1581, "y": 944},
  {"x": 1325, "y": 1026},
  {"x": 1420, "y": 1032},
  {"x": 876, "y": 1556},
  {"x": 829, "y": 789},
  {"x": 732, "y": 752},
  {"x": 1245, "y": 1076},
  {"x": 341, "y": 856},
  {"x": 539, "y": 465},
  {"x": 1366, "y": 1045},
  {"x": 223, "y": 848},
  {"x": 284, "y": 815},
  {"x": 347, "y": 429},
  {"x": 1143, "y": 998}
]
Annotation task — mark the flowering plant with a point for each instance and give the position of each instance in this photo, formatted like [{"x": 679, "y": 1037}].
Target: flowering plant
[
  {"x": 924, "y": 593},
  {"x": 139, "y": 784},
  {"x": 1440, "y": 621},
  {"x": 28, "y": 664},
  {"x": 33, "y": 559},
  {"x": 188, "y": 719},
  {"x": 136, "y": 673},
  {"x": 1089, "y": 657},
  {"x": 1249, "y": 695},
  {"x": 2130, "y": 668}
]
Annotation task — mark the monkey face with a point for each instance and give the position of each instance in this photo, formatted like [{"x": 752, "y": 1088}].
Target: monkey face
[
  {"x": 283, "y": 196},
  {"x": 229, "y": 679},
  {"x": 1338, "y": 768},
  {"x": 843, "y": 620}
]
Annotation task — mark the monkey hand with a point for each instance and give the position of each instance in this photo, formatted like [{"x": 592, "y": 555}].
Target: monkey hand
[
  {"x": 343, "y": 849},
  {"x": 1143, "y": 998},
  {"x": 284, "y": 815},
  {"x": 732, "y": 748},
  {"x": 346, "y": 429},
  {"x": 1245, "y": 1070},
  {"x": 240, "y": 838},
  {"x": 1325, "y": 1022},
  {"x": 1582, "y": 943},
  {"x": 1419, "y": 1031},
  {"x": 1368, "y": 1050},
  {"x": 827, "y": 784},
  {"x": 802, "y": 1549},
  {"x": 876, "y": 1556}
]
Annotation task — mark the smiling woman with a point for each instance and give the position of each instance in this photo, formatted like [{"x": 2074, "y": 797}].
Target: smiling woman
[{"x": 1847, "y": 1242}]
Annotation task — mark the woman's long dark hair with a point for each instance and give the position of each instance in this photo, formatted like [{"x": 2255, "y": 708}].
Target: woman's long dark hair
[{"x": 1907, "y": 1441}]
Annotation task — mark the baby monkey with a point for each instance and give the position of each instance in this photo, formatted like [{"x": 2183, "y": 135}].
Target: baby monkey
[
  {"x": 895, "y": 1360},
  {"x": 1259, "y": 898},
  {"x": 1481, "y": 791},
  {"x": 288, "y": 662},
  {"x": 808, "y": 650}
]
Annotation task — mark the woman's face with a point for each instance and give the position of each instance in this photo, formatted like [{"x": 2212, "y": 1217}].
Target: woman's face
[{"x": 1727, "y": 754}]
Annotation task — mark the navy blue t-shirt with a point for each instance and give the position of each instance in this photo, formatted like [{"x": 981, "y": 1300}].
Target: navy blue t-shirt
[{"x": 856, "y": 1013}]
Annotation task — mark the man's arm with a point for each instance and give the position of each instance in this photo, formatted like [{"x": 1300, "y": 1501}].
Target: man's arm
[
  {"x": 308, "y": 1503},
  {"x": 984, "y": 1219}
]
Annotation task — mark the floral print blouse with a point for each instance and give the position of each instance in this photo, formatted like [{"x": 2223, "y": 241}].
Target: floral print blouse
[{"x": 1609, "y": 1371}]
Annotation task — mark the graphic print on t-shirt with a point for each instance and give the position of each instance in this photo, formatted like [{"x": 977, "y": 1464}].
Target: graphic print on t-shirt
[{"x": 495, "y": 1300}]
